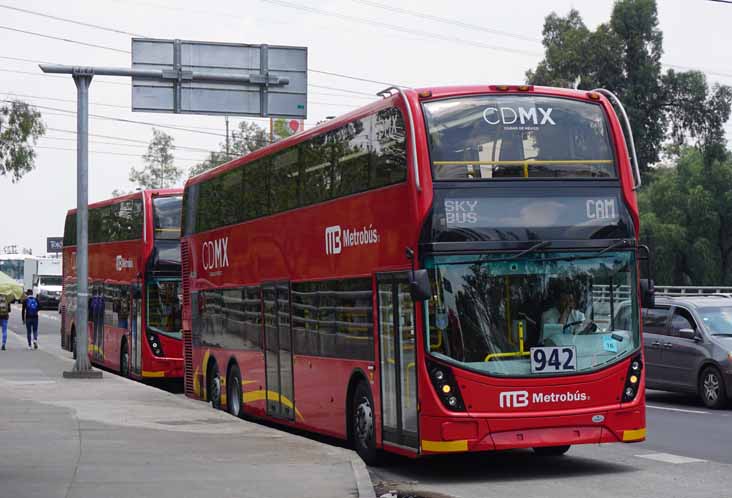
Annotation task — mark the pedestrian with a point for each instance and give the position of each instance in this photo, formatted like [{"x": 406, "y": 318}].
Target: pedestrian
[
  {"x": 29, "y": 314},
  {"x": 4, "y": 315}
]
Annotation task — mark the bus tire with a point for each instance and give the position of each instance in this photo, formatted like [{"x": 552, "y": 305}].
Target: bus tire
[
  {"x": 712, "y": 389},
  {"x": 233, "y": 387},
  {"x": 551, "y": 450},
  {"x": 213, "y": 386},
  {"x": 124, "y": 360},
  {"x": 363, "y": 424}
]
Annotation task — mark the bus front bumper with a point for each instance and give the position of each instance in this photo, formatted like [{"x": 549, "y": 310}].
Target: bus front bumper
[{"x": 440, "y": 435}]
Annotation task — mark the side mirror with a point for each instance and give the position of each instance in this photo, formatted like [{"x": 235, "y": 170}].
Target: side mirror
[
  {"x": 419, "y": 285},
  {"x": 648, "y": 292},
  {"x": 687, "y": 334},
  {"x": 36, "y": 279}
]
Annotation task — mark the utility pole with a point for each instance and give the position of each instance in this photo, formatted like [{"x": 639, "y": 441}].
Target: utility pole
[
  {"x": 227, "y": 137},
  {"x": 82, "y": 367}
]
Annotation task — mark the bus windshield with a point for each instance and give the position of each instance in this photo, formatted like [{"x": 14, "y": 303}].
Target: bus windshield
[
  {"x": 164, "y": 306},
  {"x": 488, "y": 311},
  {"x": 518, "y": 136},
  {"x": 167, "y": 216},
  {"x": 13, "y": 268}
]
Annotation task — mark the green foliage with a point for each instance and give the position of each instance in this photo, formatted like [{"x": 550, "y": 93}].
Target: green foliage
[
  {"x": 159, "y": 170},
  {"x": 20, "y": 128},
  {"x": 624, "y": 56},
  {"x": 686, "y": 220},
  {"x": 247, "y": 138}
]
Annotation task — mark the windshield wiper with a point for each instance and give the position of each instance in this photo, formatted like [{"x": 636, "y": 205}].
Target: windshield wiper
[
  {"x": 531, "y": 249},
  {"x": 723, "y": 335}
]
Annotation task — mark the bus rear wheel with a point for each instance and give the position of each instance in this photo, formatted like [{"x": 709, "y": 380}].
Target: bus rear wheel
[
  {"x": 213, "y": 388},
  {"x": 362, "y": 423},
  {"x": 551, "y": 450},
  {"x": 233, "y": 385},
  {"x": 124, "y": 361}
]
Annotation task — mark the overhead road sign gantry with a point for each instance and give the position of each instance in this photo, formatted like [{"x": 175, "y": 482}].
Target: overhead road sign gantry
[{"x": 219, "y": 78}]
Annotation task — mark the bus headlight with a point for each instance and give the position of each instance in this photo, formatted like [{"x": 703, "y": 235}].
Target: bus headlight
[
  {"x": 632, "y": 382},
  {"x": 155, "y": 344},
  {"x": 447, "y": 389}
]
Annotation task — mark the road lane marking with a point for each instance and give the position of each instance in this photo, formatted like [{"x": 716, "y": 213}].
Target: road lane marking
[
  {"x": 683, "y": 410},
  {"x": 670, "y": 458}
]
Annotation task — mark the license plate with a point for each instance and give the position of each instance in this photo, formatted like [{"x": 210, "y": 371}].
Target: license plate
[{"x": 553, "y": 359}]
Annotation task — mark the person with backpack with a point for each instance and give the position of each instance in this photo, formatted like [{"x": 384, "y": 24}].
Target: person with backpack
[
  {"x": 29, "y": 314},
  {"x": 4, "y": 315}
]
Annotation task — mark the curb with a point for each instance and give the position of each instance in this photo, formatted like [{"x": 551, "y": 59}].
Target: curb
[{"x": 363, "y": 479}]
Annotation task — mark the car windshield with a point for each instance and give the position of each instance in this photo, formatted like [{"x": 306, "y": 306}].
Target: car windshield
[
  {"x": 717, "y": 320},
  {"x": 487, "y": 312},
  {"x": 164, "y": 306},
  {"x": 50, "y": 280}
]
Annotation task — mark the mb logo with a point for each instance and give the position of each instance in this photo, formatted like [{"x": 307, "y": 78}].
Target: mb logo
[
  {"x": 333, "y": 240},
  {"x": 513, "y": 399}
]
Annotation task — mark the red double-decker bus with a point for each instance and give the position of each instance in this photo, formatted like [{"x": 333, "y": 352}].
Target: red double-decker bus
[
  {"x": 134, "y": 304},
  {"x": 444, "y": 270}
]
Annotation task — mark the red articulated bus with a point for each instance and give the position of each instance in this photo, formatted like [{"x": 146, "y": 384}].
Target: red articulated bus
[
  {"x": 444, "y": 270},
  {"x": 134, "y": 284}
]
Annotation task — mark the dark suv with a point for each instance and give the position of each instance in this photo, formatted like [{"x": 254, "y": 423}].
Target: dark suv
[{"x": 688, "y": 346}]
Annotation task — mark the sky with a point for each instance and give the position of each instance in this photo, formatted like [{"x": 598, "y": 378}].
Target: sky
[{"x": 395, "y": 41}]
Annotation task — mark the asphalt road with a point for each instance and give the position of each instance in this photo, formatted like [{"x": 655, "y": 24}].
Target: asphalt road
[{"x": 688, "y": 453}]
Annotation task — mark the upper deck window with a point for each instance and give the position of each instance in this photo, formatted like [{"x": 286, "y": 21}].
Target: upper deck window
[
  {"x": 167, "y": 216},
  {"x": 512, "y": 136}
]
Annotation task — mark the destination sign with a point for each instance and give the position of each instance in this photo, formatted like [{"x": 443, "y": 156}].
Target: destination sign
[{"x": 535, "y": 212}]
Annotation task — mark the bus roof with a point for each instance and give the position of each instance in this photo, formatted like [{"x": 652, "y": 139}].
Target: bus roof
[
  {"x": 434, "y": 93},
  {"x": 133, "y": 195}
]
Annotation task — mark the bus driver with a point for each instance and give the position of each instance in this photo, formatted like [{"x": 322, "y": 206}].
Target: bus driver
[{"x": 563, "y": 318}]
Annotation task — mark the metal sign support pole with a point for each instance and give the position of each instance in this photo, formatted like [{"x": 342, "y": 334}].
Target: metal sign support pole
[{"x": 82, "y": 366}]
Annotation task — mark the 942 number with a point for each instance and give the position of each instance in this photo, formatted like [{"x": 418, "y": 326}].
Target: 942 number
[{"x": 553, "y": 359}]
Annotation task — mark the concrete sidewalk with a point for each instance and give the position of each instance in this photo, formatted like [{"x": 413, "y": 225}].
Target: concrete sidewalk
[{"x": 118, "y": 438}]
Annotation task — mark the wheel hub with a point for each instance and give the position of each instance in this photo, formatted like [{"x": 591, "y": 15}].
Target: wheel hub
[
  {"x": 364, "y": 422},
  {"x": 711, "y": 387}
]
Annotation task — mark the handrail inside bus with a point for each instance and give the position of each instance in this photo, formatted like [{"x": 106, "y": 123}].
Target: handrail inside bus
[
  {"x": 385, "y": 93},
  {"x": 634, "y": 157}
]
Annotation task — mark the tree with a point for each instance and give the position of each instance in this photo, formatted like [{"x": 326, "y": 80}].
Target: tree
[
  {"x": 159, "y": 170},
  {"x": 20, "y": 128},
  {"x": 686, "y": 220},
  {"x": 624, "y": 56},
  {"x": 247, "y": 138}
]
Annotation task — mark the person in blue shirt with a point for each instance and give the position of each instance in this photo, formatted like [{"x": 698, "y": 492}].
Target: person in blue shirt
[{"x": 29, "y": 315}]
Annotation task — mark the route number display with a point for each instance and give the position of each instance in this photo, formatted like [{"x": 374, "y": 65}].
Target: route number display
[{"x": 553, "y": 359}]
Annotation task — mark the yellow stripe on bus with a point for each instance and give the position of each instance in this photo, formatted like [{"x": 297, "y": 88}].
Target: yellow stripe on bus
[
  {"x": 634, "y": 435},
  {"x": 445, "y": 446},
  {"x": 261, "y": 394},
  {"x": 149, "y": 373}
]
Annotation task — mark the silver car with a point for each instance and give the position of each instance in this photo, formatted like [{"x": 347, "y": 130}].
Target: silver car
[{"x": 688, "y": 346}]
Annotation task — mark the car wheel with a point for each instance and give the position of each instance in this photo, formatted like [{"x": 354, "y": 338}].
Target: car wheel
[
  {"x": 233, "y": 385},
  {"x": 551, "y": 450},
  {"x": 711, "y": 388},
  {"x": 214, "y": 387},
  {"x": 363, "y": 424}
]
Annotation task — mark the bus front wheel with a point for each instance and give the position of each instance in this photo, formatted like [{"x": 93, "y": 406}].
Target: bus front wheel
[
  {"x": 551, "y": 450},
  {"x": 362, "y": 420}
]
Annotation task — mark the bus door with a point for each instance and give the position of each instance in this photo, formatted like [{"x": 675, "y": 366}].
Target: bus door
[
  {"x": 135, "y": 331},
  {"x": 397, "y": 356},
  {"x": 278, "y": 350}
]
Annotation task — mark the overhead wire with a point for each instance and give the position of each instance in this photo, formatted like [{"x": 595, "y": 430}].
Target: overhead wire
[{"x": 111, "y": 153}]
